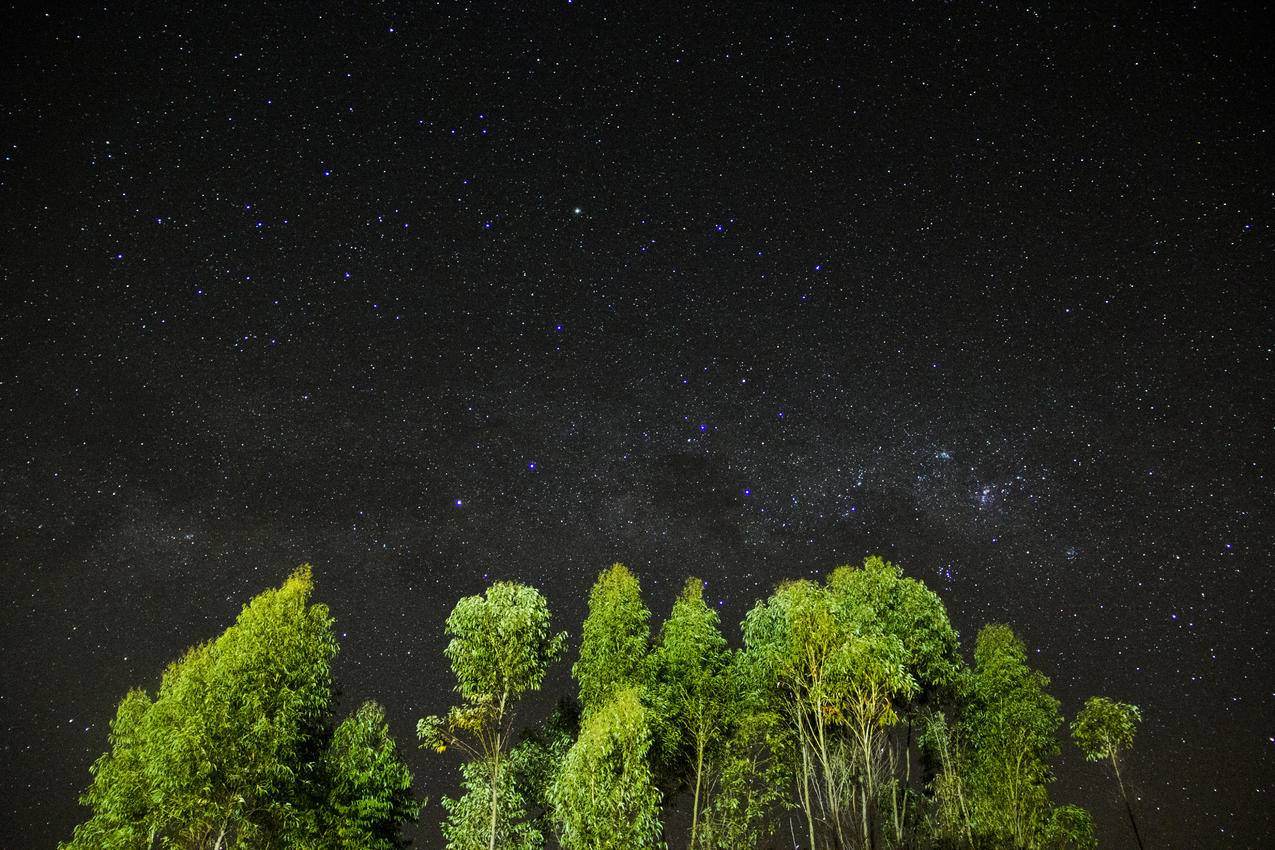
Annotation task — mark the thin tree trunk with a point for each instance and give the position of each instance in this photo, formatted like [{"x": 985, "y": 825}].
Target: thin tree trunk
[
  {"x": 495, "y": 800},
  {"x": 830, "y": 783},
  {"x": 495, "y": 769},
  {"x": 1127, "y": 806},
  {"x": 805, "y": 791},
  {"x": 870, "y": 791},
  {"x": 904, "y": 837},
  {"x": 863, "y": 796},
  {"x": 699, "y": 775}
]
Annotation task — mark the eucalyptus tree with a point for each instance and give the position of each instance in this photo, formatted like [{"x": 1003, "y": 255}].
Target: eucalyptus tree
[
  {"x": 501, "y": 646},
  {"x": 367, "y": 787},
  {"x": 909, "y": 626},
  {"x": 1103, "y": 730},
  {"x": 604, "y": 796},
  {"x": 614, "y": 640},
  {"x": 236, "y": 747},
  {"x": 1012, "y": 725},
  {"x": 748, "y": 783},
  {"x": 950, "y": 818},
  {"x": 123, "y": 814},
  {"x": 695, "y": 690},
  {"x": 837, "y": 676},
  {"x": 788, "y": 641}
]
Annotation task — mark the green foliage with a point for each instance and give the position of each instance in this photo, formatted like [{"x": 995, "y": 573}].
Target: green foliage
[
  {"x": 369, "y": 788},
  {"x": 693, "y": 693},
  {"x": 604, "y": 797},
  {"x": 881, "y": 599},
  {"x": 948, "y": 816},
  {"x": 748, "y": 784},
  {"x": 840, "y": 689},
  {"x": 1012, "y": 724},
  {"x": 119, "y": 793},
  {"x": 1104, "y": 727},
  {"x": 230, "y": 751},
  {"x": 826, "y": 659},
  {"x": 468, "y": 825},
  {"x": 537, "y": 759},
  {"x": 1102, "y": 730},
  {"x": 614, "y": 640},
  {"x": 522, "y": 792},
  {"x": 501, "y": 645},
  {"x": 1068, "y": 828}
]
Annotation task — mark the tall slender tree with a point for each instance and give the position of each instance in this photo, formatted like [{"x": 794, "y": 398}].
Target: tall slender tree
[
  {"x": 908, "y": 625},
  {"x": 695, "y": 691},
  {"x": 604, "y": 797},
  {"x": 838, "y": 676},
  {"x": 1103, "y": 730},
  {"x": 1012, "y": 725},
  {"x": 614, "y": 640},
  {"x": 368, "y": 788},
  {"x": 501, "y": 646},
  {"x": 788, "y": 643}
]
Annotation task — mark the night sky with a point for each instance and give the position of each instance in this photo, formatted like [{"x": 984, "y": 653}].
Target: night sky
[{"x": 436, "y": 294}]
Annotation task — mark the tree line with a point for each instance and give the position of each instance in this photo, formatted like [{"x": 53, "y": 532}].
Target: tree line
[{"x": 846, "y": 719}]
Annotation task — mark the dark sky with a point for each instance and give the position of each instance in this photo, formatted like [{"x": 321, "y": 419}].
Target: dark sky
[{"x": 433, "y": 294}]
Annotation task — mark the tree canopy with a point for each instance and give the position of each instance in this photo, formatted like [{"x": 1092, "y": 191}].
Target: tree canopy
[
  {"x": 1104, "y": 730},
  {"x": 614, "y": 640},
  {"x": 846, "y": 718},
  {"x": 501, "y": 645},
  {"x": 237, "y": 749}
]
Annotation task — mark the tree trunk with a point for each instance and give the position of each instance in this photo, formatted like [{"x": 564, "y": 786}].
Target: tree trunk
[
  {"x": 498, "y": 746},
  {"x": 699, "y": 774},
  {"x": 495, "y": 800},
  {"x": 904, "y": 837},
  {"x": 864, "y": 735},
  {"x": 1127, "y": 806},
  {"x": 805, "y": 792}
]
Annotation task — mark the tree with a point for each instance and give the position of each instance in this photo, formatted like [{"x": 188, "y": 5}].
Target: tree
[
  {"x": 119, "y": 794},
  {"x": 470, "y": 824},
  {"x": 905, "y": 633},
  {"x": 878, "y": 595},
  {"x": 838, "y": 675},
  {"x": 614, "y": 640},
  {"x": 1102, "y": 730},
  {"x": 694, "y": 684},
  {"x": 749, "y": 778},
  {"x": 1012, "y": 726},
  {"x": 537, "y": 758},
  {"x": 500, "y": 648},
  {"x": 604, "y": 796},
  {"x": 943, "y": 744},
  {"x": 788, "y": 642},
  {"x": 369, "y": 788},
  {"x": 230, "y": 752}
]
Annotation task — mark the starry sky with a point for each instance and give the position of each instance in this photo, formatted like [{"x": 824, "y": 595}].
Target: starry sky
[{"x": 431, "y": 294}]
